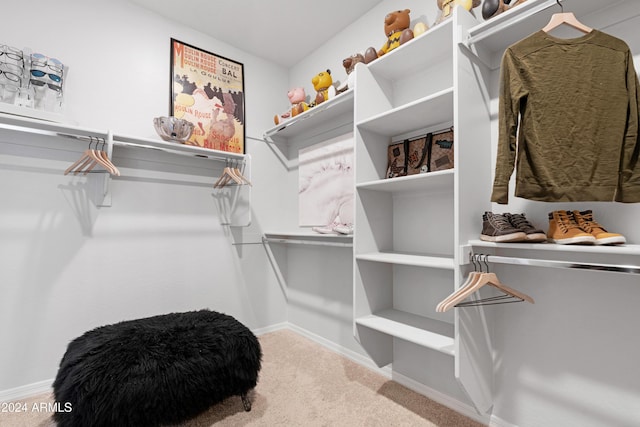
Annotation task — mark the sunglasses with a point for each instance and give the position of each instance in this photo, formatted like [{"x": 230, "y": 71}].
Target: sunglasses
[
  {"x": 40, "y": 73},
  {"x": 11, "y": 72},
  {"x": 40, "y": 60},
  {"x": 40, "y": 83}
]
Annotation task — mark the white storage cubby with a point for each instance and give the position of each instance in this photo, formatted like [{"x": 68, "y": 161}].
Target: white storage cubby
[
  {"x": 408, "y": 228},
  {"x": 404, "y": 242}
]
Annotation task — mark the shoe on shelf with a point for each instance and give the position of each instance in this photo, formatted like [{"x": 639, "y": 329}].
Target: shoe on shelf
[
  {"x": 326, "y": 229},
  {"x": 496, "y": 228},
  {"x": 588, "y": 224},
  {"x": 344, "y": 228},
  {"x": 564, "y": 230},
  {"x": 519, "y": 221}
]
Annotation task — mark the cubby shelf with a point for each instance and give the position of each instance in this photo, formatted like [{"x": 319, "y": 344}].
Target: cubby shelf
[
  {"x": 412, "y": 183},
  {"x": 434, "y": 108},
  {"x": 424, "y": 51},
  {"x": 429, "y": 333}
]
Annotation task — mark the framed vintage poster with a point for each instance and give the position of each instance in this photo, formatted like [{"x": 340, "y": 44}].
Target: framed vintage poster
[{"x": 208, "y": 90}]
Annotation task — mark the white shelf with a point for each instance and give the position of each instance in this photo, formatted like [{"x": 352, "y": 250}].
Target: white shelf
[
  {"x": 176, "y": 148},
  {"x": 309, "y": 238},
  {"x": 423, "y": 182},
  {"x": 419, "y": 330},
  {"x": 436, "y": 108},
  {"x": 318, "y": 119},
  {"x": 496, "y": 34},
  {"x": 9, "y": 121},
  {"x": 424, "y": 51},
  {"x": 28, "y": 124},
  {"x": 416, "y": 260},
  {"x": 553, "y": 247}
]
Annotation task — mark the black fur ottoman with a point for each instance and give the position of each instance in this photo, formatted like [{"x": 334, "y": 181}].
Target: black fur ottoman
[{"x": 156, "y": 371}]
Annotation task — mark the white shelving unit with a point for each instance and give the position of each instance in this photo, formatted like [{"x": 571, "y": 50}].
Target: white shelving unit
[
  {"x": 407, "y": 228},
  {"x": 413, "y": 234}
]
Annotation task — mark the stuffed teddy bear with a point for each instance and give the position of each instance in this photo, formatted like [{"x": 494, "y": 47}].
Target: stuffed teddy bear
[
  {"x": 323, "y": 84},
  {"x": 397, "y": 29},
  {"x": 297, "y": 98},
  {"x": 446, "y": 6},
  {"x": 349, "y": 64},
  {"x": 492, "y": 8}
]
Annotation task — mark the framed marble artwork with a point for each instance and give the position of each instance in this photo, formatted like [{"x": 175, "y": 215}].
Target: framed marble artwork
[{"x": 326, "y": 182}]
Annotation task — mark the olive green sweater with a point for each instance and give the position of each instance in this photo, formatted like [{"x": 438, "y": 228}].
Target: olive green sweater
[{"x": 569, "y": 109}]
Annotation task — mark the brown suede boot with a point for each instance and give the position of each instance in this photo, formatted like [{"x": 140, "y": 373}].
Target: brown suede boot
[
  {"x": 588, "y": 224},
  {"x": 564, "y": 230}
]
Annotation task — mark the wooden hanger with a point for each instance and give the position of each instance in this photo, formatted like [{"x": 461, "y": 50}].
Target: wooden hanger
[
  {"x": 239, "y": 174},
  {"x": 227, "y": 176},
  {"x": 473, "y": 284},
  {"x": 567, "y": 18},
  {"x": 473, "y": 277},
  {"x": 231, "y": 174},
  {"x": 89, "y": 159}
]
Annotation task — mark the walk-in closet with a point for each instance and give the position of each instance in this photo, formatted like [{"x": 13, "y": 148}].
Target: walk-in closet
[{"x": 395, "y": 228}]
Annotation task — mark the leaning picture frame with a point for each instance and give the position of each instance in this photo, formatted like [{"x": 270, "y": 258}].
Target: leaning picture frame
[{"x": 208, "y": 91}]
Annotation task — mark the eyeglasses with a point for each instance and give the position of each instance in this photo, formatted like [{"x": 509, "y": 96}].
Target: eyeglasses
[
  {"x": 11, "y": 52},
  {"x": 40, "y": 60},
  {"x": 11, "y": 72},
  {"x": 40, "y": 73}
]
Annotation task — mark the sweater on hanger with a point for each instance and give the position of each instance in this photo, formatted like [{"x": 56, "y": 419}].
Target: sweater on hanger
[{"x": 568, "y": 115}]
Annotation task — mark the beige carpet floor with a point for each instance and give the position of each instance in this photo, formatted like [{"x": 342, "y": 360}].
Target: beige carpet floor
[{"x": 304, "y": 384}]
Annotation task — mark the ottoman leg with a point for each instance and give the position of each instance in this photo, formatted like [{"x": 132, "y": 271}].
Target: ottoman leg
[{"x": 246, "y": 402}]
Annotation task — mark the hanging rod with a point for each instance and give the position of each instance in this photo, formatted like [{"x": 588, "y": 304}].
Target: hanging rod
[
  {"x": 616, "y": 268},
  {"x": 305, "y": 242}
]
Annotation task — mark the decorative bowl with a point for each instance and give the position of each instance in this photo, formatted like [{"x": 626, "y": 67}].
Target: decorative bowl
[{"x": 173, "y": 129}]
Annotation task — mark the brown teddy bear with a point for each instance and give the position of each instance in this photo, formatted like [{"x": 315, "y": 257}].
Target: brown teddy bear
[
  {"x": 397, "y": 29},
  {"x": 349, "y": 64}
]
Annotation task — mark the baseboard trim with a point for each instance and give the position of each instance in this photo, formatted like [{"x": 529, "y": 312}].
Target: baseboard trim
[
  {"x": 350, "y": 354},
  {"x": 441, "y": 398},
  {"x": 26, "y": 391},
  {"x": 271, "y": 328}
]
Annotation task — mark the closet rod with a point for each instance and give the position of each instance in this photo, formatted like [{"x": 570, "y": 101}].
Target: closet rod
[
  {"x": 616, "y": 268},
  {"x": 509, "y": 23},
  {"x": 305, "y": 242}
]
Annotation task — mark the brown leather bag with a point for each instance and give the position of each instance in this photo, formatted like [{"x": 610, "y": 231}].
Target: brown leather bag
[{"x": 428, "y": 153}]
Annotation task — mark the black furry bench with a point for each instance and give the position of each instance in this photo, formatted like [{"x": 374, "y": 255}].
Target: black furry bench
[{"x": 156, "y": 371}]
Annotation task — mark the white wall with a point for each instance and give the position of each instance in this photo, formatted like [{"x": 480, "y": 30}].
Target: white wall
[{"x": 67, "y": 266}]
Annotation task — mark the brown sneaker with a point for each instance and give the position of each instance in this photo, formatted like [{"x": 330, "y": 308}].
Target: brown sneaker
[
  {"x": 603, "y": 237},
  {"x": 564, "y": 230},
  {"x": 496, "y": 228},
  {"x": 533, "y": 235}
]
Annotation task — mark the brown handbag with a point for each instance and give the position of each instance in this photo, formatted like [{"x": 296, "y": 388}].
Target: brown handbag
[{"x": 428, "y": 153}]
